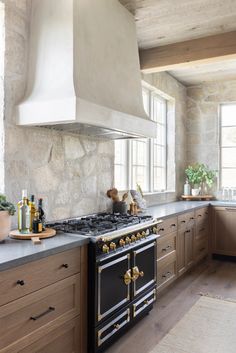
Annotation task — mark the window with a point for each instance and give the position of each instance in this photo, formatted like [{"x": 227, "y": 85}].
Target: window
[
  {"x": 228, "y": 145},
  {"x": 143, "y": 161}
]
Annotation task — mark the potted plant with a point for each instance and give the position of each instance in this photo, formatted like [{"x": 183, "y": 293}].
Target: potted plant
[
  {"x": 198, "y": 175},
  {"x": 7, "y": 210}
]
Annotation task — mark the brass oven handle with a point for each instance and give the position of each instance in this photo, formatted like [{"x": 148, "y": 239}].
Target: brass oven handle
[{"x": 137, "y": 273}]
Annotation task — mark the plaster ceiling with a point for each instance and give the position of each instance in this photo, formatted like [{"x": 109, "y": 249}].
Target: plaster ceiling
[{"x": 162, "y": 22}]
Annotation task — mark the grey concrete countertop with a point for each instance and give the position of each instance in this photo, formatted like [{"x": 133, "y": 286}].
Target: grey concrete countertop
[
  {"x": 18, "y": 252},
  {"x": 173, "y": 208}
]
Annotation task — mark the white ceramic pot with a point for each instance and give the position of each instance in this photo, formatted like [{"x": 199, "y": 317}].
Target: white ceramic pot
[
  {"x": 5, "y": 225},
  {"x": 195, "y": 192}
]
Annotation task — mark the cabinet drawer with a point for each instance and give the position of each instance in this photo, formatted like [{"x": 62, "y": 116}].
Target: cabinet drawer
[
  {"x": 201, "y": 215},
  {"x": 186, "y": 220},
  {"x": 166, "y": 270},
  {"x": 165, "y": 245},
  {"x": 201, "y": 230},
  {"x": 144, "y": 302},
  {"x": 111, "y": 328},
  {"x": 201, "y": 249},
  {"x": 169, "y": 225},
  {"x": 25, "y": 279},
  {"x": 65, "y": 339},
  {"x": 26, "y": 315}
]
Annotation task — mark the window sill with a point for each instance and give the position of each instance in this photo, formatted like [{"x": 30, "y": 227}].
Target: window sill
[{"x": 159, "y": 193}]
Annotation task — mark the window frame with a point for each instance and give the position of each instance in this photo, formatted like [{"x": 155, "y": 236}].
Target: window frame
[
  {"x": 150, "y": 149},
  {"x": 221, "y": 147}
]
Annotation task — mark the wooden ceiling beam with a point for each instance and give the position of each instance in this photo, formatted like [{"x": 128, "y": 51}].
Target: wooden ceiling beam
[{"x": 189, "y": 53}]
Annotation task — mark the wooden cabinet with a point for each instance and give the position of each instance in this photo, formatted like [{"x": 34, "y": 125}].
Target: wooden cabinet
[
  {"x": 185, "y": 241},
  {"x": 166, "y": 255},
  {"x": 49, "y": 314},
  {"x": 224, "y": 231}
]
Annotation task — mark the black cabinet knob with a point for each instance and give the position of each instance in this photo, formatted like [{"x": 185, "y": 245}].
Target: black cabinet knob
[
  {"x": 20, "y": 282},
  {"x": 65, "y": 265}
]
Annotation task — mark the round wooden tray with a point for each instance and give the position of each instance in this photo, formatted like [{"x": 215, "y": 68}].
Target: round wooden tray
[{"x": 48, "y": 233}]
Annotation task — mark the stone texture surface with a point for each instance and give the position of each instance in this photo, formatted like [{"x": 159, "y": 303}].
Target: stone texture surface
[
  {"x": 177, "y": 142},
  {"x": 2, "y": 46},
  {"x": 71, "y": 173},
  {"x": 203, "y": 120}
]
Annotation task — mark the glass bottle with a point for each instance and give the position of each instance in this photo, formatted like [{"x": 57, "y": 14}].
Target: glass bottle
[
  {"x": 37, "y": 223},
  {"x": 41, "y": 213},
  {"x": 24, "y": 214},
  {"x": 32, "y": 211}
]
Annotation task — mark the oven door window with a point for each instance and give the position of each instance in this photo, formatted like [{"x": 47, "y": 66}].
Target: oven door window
[
  {"x": 113, "y": 285},
  {"x": 144, "y": 268}
]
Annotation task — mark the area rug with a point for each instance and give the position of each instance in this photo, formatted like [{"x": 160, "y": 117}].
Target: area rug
[{"x": 208, "y": 327}]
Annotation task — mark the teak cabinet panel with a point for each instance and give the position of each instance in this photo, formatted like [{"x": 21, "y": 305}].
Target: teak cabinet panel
[
  {"x": 224, "y": 231},
  {"x": 20, "y": 281},
  {"x": 49, "y": 315},
  {"x": 65, "y": 339}
]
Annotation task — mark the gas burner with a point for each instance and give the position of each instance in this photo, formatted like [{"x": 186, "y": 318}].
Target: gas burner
[{"x": 99, "y": 224}]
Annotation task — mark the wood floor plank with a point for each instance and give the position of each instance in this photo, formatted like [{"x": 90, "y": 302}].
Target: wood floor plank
[{"x": 215, "y": 278}]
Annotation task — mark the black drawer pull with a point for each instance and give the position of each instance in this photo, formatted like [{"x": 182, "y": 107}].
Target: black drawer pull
[
  {"x": 202, "y": 249},
  {"x": 187, "y": 231},
  {"x": 183, "y": 221},
  {"x": 166, "y": 275},
  {"x": 161, "y": 230},
  {"x": 173, "y": 225},
  {"x": 191, "y": 217},
  {"x": 20, "y": 282},
  {"x": 167, "y": 248},
  {"x": 65, "y": 265},
  {"x": 199, "y": 215},
  {"x": 48, "y": 311}
]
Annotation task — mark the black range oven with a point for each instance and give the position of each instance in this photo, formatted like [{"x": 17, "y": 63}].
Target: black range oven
[
  {"x": 122, "y": 272},
  {"x": 122, "y": 287}
]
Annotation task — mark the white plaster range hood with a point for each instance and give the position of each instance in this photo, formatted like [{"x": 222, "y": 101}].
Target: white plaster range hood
[{"x": 84, "y": 73}]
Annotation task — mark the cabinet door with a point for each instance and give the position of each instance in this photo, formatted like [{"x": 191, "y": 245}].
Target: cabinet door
[
  {"x": 181, "y": 251},
  {"x": 64, "y": 339},
  {"x": 144, "y": 261},
  {"x": 189, "y": 249},
  {"x": 224, "y": 231}
]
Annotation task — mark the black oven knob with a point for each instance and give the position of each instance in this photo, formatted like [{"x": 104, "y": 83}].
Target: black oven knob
[
  {"x": 112, "y": 246},
  {"x": 105, "y": 248}
]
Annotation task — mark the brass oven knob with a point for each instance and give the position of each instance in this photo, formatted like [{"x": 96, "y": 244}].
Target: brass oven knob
[
  {"x": 127, "y": 240},
  {"x": 117, "y": 326},
  {"x": 144, "y": 234},
  {"x": 154, "y": 229},
  {"x": 105, "y": 248},
  {"x": 133, "y": 238},
  {"x": 122, "y": 242},
  {"x": 139, "y": 236},
  {"x": 113, "y": 246}
]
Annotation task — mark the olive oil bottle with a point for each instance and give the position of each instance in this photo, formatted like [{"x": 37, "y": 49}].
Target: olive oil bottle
[
  {"x": 24, "y": 214},
  {"x": 32, "y": 211}
]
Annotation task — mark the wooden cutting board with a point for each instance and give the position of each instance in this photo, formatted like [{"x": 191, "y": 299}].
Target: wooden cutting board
[{"x": 48, "y": 233}]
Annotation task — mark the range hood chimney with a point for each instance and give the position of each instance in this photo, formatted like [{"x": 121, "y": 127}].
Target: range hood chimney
[{"x": 84, "y": 74}]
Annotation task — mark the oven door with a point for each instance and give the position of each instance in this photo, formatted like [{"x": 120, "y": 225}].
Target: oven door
[
  {"x": 144, "y": 268},
  {"x": 113, "y": 285}
]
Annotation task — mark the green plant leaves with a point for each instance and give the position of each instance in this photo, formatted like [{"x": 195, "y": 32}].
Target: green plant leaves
[
  {"x": 200, "y": 173},
  {"x": 6, "y": 206}
]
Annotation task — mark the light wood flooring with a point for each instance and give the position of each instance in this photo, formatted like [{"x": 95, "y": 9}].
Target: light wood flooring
[{"x": 217, "y": 278}]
